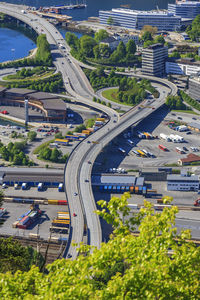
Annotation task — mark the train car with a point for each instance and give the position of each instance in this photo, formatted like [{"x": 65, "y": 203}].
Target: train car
[
  {"x": 122, "y": 151},
  {"x": 141, "y": 153}
]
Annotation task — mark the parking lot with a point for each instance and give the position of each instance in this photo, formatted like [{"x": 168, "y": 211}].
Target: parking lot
[{"x": 49, "y": 212}]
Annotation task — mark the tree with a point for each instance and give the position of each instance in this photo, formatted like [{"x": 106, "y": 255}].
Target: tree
[
  {"x": 110, "y": 21},
  {"x": 96, "y": 51},
  {"x": 121, "y": 49},
  {"x": 72, "y": 40},
  {"x": 87, "y": 44},
  {"x": 55, "y": 154},
  {"x": 194, "y": 30},
  {"x": 130, "y": 47},
  {"x": 32, "y": 135},
  {"x": 160, "y": 39},
  {"x": 150, "y": 29},
  {"x": 126, "y": 267},
  {"x": 100, "y": 35},
  {"x": 147, "y": 36}
]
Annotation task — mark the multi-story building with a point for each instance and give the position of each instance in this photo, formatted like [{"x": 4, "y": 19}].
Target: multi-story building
[
  {"x": 194, "y": 88},
  {"x": 135, "y": 19},
  {"x": 183, "y": 66},
  {"x": 182, "y": 183},
  {"x": 114, "y": 40},
  {"x": 153, "y": 60},
  {"x": 185, "y": 9}
]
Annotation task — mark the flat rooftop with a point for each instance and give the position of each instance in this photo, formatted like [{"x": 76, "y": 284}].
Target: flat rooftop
[
  {"x": 115, "y": 179},
  {"x": 143, "y": 12},
  {"x": 182, "y": 178}
]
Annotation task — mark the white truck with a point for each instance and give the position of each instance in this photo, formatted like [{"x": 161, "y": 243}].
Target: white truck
[
  {"x": 165, "y": 137},
  {"x": 180, "y": 138}
]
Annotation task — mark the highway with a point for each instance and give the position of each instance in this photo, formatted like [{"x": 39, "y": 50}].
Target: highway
[{"x": 79, "y": 165}]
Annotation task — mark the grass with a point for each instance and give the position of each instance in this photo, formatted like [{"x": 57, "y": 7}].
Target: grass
[
  {"x": 44, "y": 145},
  {"x": 30, "y": 78},
  {"x": 186, "y": 111},
  {"x": 112, "y": 95}
]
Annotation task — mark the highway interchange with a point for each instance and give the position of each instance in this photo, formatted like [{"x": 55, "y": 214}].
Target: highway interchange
[{"x": 79, "y": 166}]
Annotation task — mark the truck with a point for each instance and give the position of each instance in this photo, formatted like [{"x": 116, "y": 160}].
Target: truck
[
  {"x": 165, "y": 137},
  {"x": 174, "y": 138},
  {"x": 180, "y": 138},
  {"x": 24, "y": 186},
  {"x": 40, "y": 186},
  {"x": 60, "y": 187},
  {"x": 28, "y": 218}
]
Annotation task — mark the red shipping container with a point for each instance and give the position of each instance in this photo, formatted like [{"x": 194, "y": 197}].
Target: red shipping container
[{"x": 62, "y": 202}]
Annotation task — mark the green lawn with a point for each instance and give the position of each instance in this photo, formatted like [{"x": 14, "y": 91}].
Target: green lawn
[
  {"x": 186, "y": 111},
  {"x": 111, "y": 94},
  {"x": 34, "y": 77}
]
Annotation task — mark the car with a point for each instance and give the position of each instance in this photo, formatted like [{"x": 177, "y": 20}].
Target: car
[
  {"x": 62, "y": 63},
  {"x": 69, "y": 255},
  {"x": 185, "y": 149},
  {"x": 88, "y": 142},
  {"x": 114, "y": 121},
  {"x": 86, "y": 180},
  {"x": 194, "y": 118},
  {"x": 189, "y": 132},
  {"x": 173, "y": 114},
  {"x": 179, "y": 118},
  {"x": 89, "y": 162},
  {"x": 4, "y": 186},
  {"x": 74, "y": 214},
  {"x": 75, "y": 194},
  {"x": 197, "y": 202}
]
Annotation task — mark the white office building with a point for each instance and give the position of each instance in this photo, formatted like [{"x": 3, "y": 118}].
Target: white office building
[
  {"x": 185, "y": 9},
  {"x": 182, "y": 183},
  {"x": 136, "y": 19},
  {"x": 186, "y": 66}
]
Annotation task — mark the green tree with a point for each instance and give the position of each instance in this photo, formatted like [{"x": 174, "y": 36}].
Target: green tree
[
  {"x": 159, "y": 39},
  {"x": 96, "y": 51},
  {"x": 126, "y": 267},
  {"x": 110, "y": 21},
  {"x": 100, "y": 35},
  {"x": 194, "y": 30},
  {"x": 87, "y": 44},
  {"x": 130, "y": 47},
  {"x": 121, "y": 49},
  {"x": 147, "y": 36},
  {"x": 55, "y": 154},
  {"x": 32, "y": 135},
  {"x": 72, "y": 40},
  {"x": 1, "y": 197}
]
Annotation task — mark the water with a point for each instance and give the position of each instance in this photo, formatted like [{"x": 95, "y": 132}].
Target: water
[
  {"x": 11, "y": 39},
  {"x": 11, "y": 44},
  {"x": 93, "y": 6},
  {"x": 63, "y": 31}
]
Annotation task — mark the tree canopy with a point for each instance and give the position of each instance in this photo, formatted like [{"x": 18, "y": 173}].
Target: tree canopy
[
  {"x": 194, "y": 30},
  {"x": 100, "y": 35},
  {"x": 152, "y": 265}
]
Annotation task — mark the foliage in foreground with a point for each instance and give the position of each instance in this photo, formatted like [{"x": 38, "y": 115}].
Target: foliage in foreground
[
  {"x": 127, "y": 267},
  {"x": 14, "y": 257}
]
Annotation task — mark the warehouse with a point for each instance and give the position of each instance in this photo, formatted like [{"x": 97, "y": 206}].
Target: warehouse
[
  {"x": 31, "y": 176},
  {"x": 119, "y": 183},
  {"x": 182, "y": 183},
  {"x": 189, "y": 159}
]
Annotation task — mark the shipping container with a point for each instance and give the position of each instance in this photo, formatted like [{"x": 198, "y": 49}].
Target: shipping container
[
  {"x": 136, "y": 189},
  {"x": 62, "y": 202},
  {"x": 132, "y": 189},
  {"x": 52, "y": 201}
]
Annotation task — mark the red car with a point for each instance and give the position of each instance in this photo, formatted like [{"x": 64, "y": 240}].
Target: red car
[{"x": 197, "y": 202}]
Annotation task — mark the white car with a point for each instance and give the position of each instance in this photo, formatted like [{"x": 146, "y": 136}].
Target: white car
[{"x": 4, "y": 186}]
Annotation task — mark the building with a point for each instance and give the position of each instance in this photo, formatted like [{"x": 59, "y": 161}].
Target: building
[
  {"x": 51, "y": 107},
  {"x": 113, "y": 41},
  {"x": 182, "y": 66},
  {"x": 135, "y": 19},
  {"x": 185, "y": 9},
  {"x": 194, "y": 88},
  {"x": 182, "y": 183},
  {"x": 189, "y": 159},
  {"x": 153, "y": 60}
]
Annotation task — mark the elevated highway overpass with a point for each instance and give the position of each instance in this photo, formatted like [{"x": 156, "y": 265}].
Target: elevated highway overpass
[{"x": 77, "y": 169}]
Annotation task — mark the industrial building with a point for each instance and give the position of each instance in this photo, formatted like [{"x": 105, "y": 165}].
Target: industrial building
[
  {"x": 135, "y": 19},
  {"x": 51, "y": 107},
  {"x": 189, "y": 159},
  {"x": 182, "y": 66},
  {"x": 153, "y": 60},
  {"x": 119, "y": 183},
  {"x": 185, "y": 9},
  {"x": 31, "y": 176},
  {"x": 182, "y": 183},
  {"x": 194, "y": 88}
]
